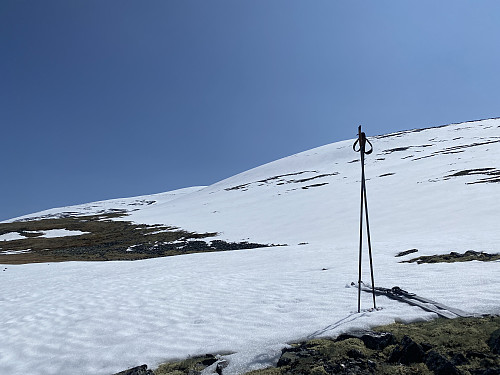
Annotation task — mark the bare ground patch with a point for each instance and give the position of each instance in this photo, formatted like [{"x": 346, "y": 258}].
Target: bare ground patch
[
  {"x": 103, "y": 239},
  {"x": 453, "y": 256}
]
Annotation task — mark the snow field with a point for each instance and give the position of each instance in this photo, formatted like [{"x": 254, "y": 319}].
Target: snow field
[{"x": 99, "y": 318}]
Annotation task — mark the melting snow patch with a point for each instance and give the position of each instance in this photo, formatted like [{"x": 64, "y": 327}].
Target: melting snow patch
[
  {"x": 12, "y": 236},
  {"x": 14, "y": 252},
  {"x": 62, "y": 233}
]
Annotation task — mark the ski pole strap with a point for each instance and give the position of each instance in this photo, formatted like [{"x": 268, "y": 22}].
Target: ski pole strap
[{"x": 361, "y": 142}]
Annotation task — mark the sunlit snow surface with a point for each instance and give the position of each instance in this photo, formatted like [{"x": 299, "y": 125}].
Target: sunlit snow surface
[
  {"x": 100, "y": 318},
  {"x": 11, "y": 236},
  {"x": 61, "y": 233}
]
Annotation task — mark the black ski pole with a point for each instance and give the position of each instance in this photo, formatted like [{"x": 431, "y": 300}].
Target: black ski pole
[{"x": 364, "y": 205}]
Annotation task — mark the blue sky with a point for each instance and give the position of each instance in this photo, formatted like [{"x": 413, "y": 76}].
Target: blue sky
[{"x": 107, "y": 99}]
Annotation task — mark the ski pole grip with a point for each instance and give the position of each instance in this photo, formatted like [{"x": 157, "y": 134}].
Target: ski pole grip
[{"x": 361, "y": 142}]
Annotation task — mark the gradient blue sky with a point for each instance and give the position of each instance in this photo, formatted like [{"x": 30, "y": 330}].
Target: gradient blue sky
[{"x": 116, "y": 98}]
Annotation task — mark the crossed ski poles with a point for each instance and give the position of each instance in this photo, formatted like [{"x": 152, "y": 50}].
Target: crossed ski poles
[{"x": 361, "y": 142}]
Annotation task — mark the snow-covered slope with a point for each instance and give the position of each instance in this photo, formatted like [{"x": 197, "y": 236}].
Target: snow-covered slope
[
  {"x": 432, "y": 189},
  {"x": 428, "y": 185},
  {"x": 110, "y": 205},
  {"x": 314, "y": 196}
]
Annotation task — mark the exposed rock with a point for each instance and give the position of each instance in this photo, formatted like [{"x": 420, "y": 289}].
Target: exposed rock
[
  {"x": 352, "y": 367},
  {"x": 397, "y": 149},
  {"x": 371, "y": 339},
  {"x": 489, "y": 371},
  {"x": 459, "y": 359},
  {"x": 475, "y": 355},
  {"x": 403, "y": 253},
  {"x": 355, "y": 354},
  {"x": 209, "y": 360},
  {"x": 407, "y": 352},
  {"x": 453, "y": 256},
  {"x": 290, "y": 356},
  {"x": 426, "y": 347},
  {"x": 139, "y": 370},
  {"x": 441, "y": 346},
  {"x": 221, "y": 365},
  {"x": 494, "y": 341},
  {"x": 439, "y": 364},
  {"x": 190, "y": 366}
]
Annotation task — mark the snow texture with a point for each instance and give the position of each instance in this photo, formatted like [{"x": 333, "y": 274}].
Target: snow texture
[{"x": 431, "y": 189}]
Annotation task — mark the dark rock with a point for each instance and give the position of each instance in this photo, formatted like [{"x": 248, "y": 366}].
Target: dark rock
[
  {"x": 372, "y": 340},
  {"x": 403, "y": 253},
  {"x": 473, "y": 355},
  {"x": 284, "y": 360},
  {"x": 426, "y": 347},
  {"x": 221, "y": 365},
  {"x": 492, "y": 371},
  {"x": 378, "y": 340},
  {"x": 407, "y": 352},
  {"x": 459, "y": 359},
  {"x": 139, "y": 370},
  {"x": 487, "y": 362},
  {"x": 351, "y": 367},
  {"x": 439, "y": 364},
  {"x": 290, "y": 356},
  {"x": 494, "y": 342},
  {"x": 455, "y": 257},
  {"x": 473, "y": 253},
  {"x": 209, "y": 360},
  {"x": 489, "y": 371},
  {"x": 355, "y": 354}
]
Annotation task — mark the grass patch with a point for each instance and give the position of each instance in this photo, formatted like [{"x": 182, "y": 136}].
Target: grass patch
[{"x": 106, "y": 239}]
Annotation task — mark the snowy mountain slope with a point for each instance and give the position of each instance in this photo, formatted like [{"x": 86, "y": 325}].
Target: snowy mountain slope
[
  {"x": 110, "y": 205},
  {"x": 438, "y": 182},
  {"x": 317, "y": 197},
  {"x": 433, "y": 189}
]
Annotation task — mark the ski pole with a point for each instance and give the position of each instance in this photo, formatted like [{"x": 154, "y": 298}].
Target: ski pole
[{"x": 361, "y": 142}]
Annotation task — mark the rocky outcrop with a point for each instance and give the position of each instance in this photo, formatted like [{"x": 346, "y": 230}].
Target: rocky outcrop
[
  {"x": 494, "y": 342},
  {"x": 452, "y": 257},
  {"x": 139, "y": 370},
  {"x": 371, "y": 339},
  {"x": 440, "y": 347},
  {"x": 408, "y": 351}
]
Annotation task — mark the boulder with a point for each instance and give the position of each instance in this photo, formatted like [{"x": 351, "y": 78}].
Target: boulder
[
  {"x": 372, "y": 340},
  {"x": 439, "y": 364},
  {"x": 139, "y": 370},
  {"x": 494, "y": 341},
  {"x": 407, "y": 352}
]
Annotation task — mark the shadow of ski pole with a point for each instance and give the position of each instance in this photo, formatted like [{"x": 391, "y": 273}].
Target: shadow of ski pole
[{"x": 349, "y": 318}]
